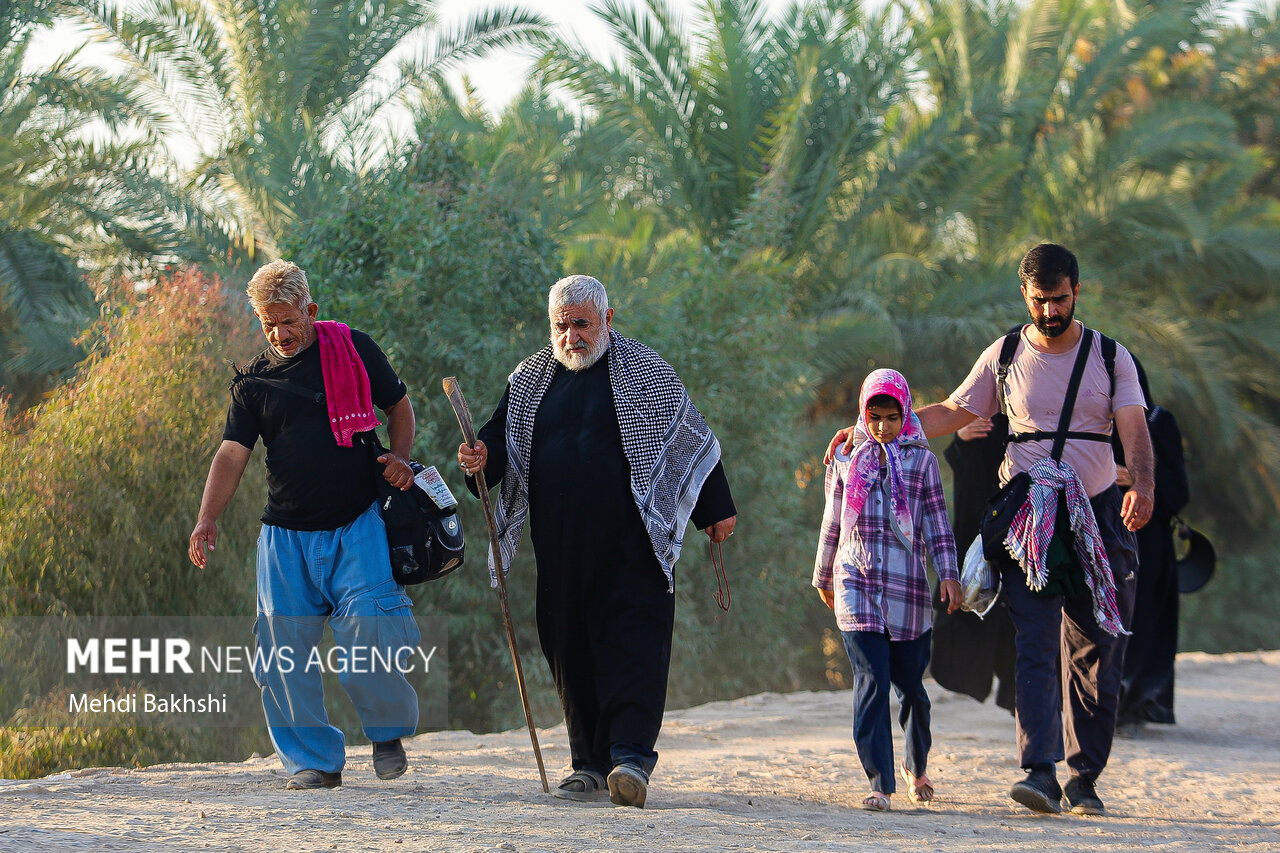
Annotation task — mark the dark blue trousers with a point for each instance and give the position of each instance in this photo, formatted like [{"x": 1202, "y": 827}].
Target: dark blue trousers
[
  {"x": 1068, "y": 670},
  {"x": 878, "y": 662}
]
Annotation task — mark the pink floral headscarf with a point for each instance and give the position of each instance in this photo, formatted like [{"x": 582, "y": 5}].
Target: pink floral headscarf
[{"x": 864, "y": 464}]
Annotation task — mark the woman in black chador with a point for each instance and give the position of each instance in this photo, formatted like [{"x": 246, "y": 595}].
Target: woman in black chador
[
  {"x": 1146, "y": 693},
  {"x": 967, "y": 651}
]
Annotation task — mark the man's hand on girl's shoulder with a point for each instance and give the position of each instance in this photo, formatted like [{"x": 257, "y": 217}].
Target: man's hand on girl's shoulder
[{"x": 845, "y": 437}]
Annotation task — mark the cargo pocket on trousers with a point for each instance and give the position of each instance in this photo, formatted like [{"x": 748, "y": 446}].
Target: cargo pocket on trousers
[{"x": 397, "y": 629}]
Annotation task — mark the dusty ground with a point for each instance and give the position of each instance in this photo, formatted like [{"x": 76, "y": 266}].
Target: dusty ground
[{"x": 768, "y": 772}]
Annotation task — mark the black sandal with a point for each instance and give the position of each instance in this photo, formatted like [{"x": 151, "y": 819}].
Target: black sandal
[{"x": 583, "y": 786}]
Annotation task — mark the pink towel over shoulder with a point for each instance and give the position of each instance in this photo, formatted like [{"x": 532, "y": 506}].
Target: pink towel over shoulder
[{"x": 346, "y": 383}]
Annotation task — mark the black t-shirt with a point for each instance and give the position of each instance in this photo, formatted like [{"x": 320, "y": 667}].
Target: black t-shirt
[{"x": 312, "y": 483}]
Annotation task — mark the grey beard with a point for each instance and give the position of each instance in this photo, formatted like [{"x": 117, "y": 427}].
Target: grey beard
[{"x": 581, "y": 362}]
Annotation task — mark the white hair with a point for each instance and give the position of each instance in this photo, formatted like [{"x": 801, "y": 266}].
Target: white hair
[
  {"x": 577, "y": 290},
  {"x": 279, "y": 282}
]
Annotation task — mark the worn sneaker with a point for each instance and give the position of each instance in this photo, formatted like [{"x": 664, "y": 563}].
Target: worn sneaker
[
  {"x": 1039, "y": 792},
  {"x": 389, "y": 760},
  {"x": 305, "y": 780},
  {"x": 1082, "y": 798},
  {"x": 628, "y": 786}
]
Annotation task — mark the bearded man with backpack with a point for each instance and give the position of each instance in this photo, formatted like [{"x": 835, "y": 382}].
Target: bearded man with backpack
[{"x": 1068, "y": 557}]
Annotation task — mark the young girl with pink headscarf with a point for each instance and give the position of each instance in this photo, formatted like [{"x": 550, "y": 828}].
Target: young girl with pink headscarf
[{"x": 885, "y": 513}]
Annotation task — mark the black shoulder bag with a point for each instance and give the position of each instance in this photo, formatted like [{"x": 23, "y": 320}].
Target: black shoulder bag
[
  {"x": 424, "y": 532},
  {"x": 1005, "y": 504}
]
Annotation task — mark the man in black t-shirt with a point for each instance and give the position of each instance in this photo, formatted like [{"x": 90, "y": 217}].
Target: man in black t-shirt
[{"x": 322, "y": 553}]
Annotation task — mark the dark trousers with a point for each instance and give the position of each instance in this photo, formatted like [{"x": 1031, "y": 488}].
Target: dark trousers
[
  {"x": 877, "y": 663},
  {"x": 1068, "y": 670},
  {"x": 605, "y": 631}
]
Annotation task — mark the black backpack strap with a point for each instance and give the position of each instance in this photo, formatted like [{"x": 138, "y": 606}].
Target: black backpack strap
[
  {"x": 1046, "y": 434},
  {"x": 369, "y": 438},
  {"x": 284, "y": 385},
  {"x": 1073, "y": 388},
  {"x": 1007, "y": 350},
  {"x": 1062, "y": 434},
  {"x": 1109, "y": 359}
]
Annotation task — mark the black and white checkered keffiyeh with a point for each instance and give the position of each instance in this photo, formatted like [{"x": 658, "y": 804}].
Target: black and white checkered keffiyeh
[{"x": 668, "y": 445}]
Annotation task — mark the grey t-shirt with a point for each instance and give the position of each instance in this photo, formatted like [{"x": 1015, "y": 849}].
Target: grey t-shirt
[{"x": 1037, "y": 385}]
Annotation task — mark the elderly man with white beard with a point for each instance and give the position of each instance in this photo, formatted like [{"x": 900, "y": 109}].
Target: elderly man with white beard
[{"x": 597, "y": 444}]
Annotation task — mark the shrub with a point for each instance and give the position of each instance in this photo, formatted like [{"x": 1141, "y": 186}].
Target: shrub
[{"x": 99, "y": 488}]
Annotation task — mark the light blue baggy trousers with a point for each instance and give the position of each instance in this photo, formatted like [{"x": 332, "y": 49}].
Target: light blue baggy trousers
[{"x": 307, "y": 578}]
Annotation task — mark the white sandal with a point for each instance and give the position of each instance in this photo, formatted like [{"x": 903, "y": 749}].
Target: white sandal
[{"x": 876, "y": 802}]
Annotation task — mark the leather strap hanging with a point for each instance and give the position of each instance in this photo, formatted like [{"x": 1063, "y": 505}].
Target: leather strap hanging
[{"x": 723, "y": 596}]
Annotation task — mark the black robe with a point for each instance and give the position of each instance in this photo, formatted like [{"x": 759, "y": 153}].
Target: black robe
[
  {"x": 1147, "y": 689},
  {"x": 604, "y": 614},
  {"x": 967, "y": 651}
]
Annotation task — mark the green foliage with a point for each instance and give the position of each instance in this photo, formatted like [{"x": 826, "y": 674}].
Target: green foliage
[
  {"x": 741, "y": 95},
  {"x": 99, "y": 484},
  {"x": 98, "y": 488},
  {"x": 552, "y": 166},
  {"x": 284, "y": 98},
  {"x": 69, "y": 202},
  {"x": 116, "y": 453},
  {"x": 44, "y": 304},
  {"x": 28, "y": 752},
  {"x": 1237, "y": 610}
]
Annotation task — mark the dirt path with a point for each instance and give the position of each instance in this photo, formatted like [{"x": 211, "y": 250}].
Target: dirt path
[{"x": 764, "y": 773}]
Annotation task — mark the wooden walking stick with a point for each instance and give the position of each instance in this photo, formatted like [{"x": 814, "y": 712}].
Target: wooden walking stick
[{"x": 460, "y": 409}]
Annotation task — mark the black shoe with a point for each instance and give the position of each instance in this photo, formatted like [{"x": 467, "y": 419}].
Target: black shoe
[
  {"x": 1039, "y": 792},
  {"x": 628, "y": 786},
  {"x": 305, "y": 780},
  {"x": 389, "y": 760},
  {"x": 1082, "y": 798}
]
